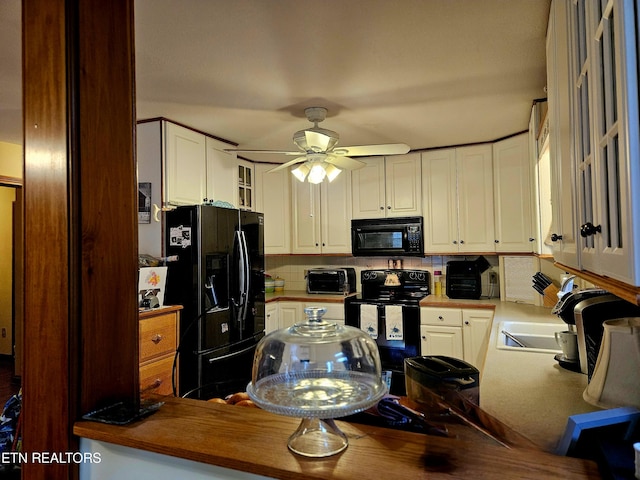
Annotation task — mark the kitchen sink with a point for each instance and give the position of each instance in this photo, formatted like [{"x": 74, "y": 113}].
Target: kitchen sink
[{"x": 533, "y": 337}]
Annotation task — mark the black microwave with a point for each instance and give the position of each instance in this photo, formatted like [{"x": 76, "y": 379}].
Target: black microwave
[{"x": 387, "y": 237}]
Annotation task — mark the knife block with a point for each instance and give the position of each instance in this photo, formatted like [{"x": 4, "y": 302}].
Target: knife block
[{"x": 550, "y": 297}]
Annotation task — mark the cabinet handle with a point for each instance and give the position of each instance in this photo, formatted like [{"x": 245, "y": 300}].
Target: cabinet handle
[
  {"x": 440, "y": 318},
  {"x": 156, "y": 383},
  {"x": 531, "y": 239},
  {"x": 496, "y": 241},
  {"x": 381, "y": 207},
  {"x": 157, "y": 338},
  {"x": 388, "y": 207},
  {"x": 156, "y": 213},
  {"x": 555, "y": 237},
  {"x": 455, "y": 242},
  {"x": 466, "y": 322},
  {"x": 589, "y": 229},
  {"x": 461, "y": 242}
]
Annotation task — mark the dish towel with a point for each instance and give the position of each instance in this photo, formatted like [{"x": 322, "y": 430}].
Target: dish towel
[
  {"x": 369, "y": 319},
  {"x": 393, "y": 324}
]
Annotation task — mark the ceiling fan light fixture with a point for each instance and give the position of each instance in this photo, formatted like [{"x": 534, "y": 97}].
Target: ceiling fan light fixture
[
  {"x": 332, "y": 171},
  {"x": 317, "y": 173},
  {"x": 301, "y": 172}
]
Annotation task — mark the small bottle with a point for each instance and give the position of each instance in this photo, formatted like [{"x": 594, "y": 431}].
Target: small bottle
[{"x": 437, "y": 283}]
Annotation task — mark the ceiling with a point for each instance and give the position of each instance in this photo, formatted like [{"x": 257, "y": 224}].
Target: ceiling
[{"x": 427, "y": 73}]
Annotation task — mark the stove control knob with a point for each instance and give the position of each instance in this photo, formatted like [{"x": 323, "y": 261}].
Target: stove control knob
[{"x": 421, "y": 276}]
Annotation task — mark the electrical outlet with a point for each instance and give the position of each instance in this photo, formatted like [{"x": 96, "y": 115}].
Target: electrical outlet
[{"x": 493, "y": 278}]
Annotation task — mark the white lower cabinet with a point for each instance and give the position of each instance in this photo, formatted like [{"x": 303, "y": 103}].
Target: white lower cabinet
[
  {"x": 476, "y": 330},
  {"x": 270, "y": 317},
  {"x": 454, "y": 332},
  {"x": 289, "y": 313},
  {"x": 284, "y": 314}
]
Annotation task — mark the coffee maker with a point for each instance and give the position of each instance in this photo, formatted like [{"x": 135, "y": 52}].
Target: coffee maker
[
  {"x": 564, "y": 308},
  {"x": 585, "y": 311}
]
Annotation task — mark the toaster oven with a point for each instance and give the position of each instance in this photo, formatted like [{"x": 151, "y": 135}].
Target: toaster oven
[{"x": 331, "y": 280}]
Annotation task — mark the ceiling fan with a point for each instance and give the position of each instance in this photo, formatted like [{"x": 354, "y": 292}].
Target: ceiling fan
[{"x": 320, "y": 154}]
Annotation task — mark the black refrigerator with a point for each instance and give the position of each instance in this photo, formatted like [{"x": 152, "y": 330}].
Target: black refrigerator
[{"x": 218, "y": 278}]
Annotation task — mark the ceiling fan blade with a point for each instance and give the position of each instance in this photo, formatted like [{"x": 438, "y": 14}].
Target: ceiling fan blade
[
  {"x": 383, "y": 149},
  {"x": 344, "y": 163},
  {"x": 288, "y": 164},
  {"x": 279, "y": 152}
]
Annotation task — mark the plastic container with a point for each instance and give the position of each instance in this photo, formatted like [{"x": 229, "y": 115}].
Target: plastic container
[
  {"x": 269, "y": 285},
  {"x": 432, "y": 378},
  {"x": 279, "y": 284},
  {"x": 437, "y": 283}
]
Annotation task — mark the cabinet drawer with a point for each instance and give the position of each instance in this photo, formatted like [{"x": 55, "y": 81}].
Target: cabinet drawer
[
  {"x": 157, "y": 336},
  {"x": 441, "y": 316},
  {"x": 155, "y": 377},
  {"x": 335, "y": 311}
]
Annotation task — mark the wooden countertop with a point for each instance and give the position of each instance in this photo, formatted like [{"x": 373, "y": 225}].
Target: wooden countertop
[
  {"x": 446, "y": 302},
  {"x": 255, "y": 441}
]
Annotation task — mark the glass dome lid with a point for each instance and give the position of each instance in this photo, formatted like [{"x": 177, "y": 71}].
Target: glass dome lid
[{"x": 316, "y": 370}]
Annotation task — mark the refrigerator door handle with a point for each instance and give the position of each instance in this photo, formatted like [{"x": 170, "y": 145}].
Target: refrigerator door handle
[
  {"x": 245, "y": 276},
  {"x": 241, "y": 303}
]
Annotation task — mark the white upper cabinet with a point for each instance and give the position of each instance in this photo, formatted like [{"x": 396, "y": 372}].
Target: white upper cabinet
[
  {"x": 186, "y": 168},
  {"x": 369, "y": 189},
  {"x": 563, "y": 228},
  {"x": 475, "y": 199},
  {"x": 321, "y": 214},
  {"x": 512, "y": 195},
  {"x": 183, "y": 167},
  {"x": 603, "y": 76},
  {"x": 222, "y": 179},
  {"x": 388, "y": 187},
  {"x": 541, "y": 178},
  {"x": 458, "y": 200},
  {"x": 273, "y": 198},
  {"x": 246, "y": 185},
  {"x": 440, "y": 197}
]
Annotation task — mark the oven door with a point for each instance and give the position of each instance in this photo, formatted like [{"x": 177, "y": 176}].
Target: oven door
[{"x": 396, "y": 330}]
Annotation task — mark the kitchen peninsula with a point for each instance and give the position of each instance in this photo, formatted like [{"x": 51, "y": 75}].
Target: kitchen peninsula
[
  {"x": 193, "y": 439},
  {"x": 212, "y": 439}
]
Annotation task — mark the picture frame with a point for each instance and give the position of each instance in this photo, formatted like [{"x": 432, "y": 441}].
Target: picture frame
[{"x": 144, "y": 202}]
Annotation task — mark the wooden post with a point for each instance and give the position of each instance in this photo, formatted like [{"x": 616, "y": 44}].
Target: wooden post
[{"x": 80, "y": 225}]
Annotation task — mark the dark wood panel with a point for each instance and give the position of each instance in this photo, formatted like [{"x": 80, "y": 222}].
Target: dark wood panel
[{"x": 108, "y": 202}]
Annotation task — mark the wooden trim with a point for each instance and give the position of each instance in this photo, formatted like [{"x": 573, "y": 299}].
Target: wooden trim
[
  {"x": 159, "y": 119},
  {"x": 10, "y": 181},
  {"x": 616, "y": 287}
]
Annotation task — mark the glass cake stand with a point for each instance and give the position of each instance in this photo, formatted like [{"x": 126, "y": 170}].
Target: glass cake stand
[{"x": 317, "y": 371}]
